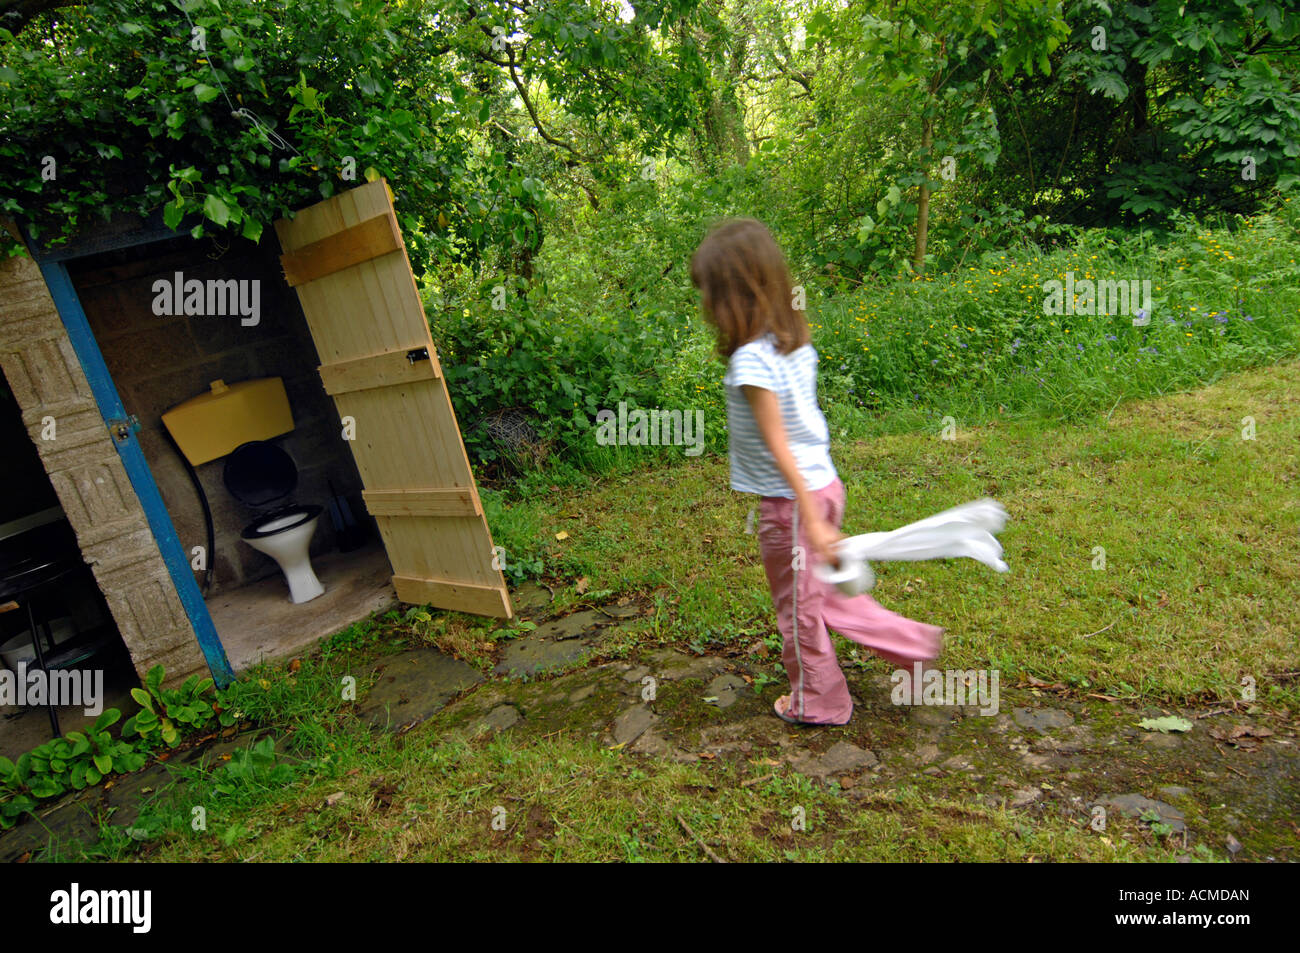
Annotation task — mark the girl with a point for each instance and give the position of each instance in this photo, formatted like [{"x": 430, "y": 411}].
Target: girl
[{"x": 780, "y": 449}]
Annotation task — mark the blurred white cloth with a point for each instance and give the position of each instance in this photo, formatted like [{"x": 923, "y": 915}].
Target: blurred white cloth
[{"x": 965, "y": 530}]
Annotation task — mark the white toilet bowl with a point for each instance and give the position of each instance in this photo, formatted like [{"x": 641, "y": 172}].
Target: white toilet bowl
[
  {"x": 259, "y": 473},
  {"x": 285, "y": 536}
]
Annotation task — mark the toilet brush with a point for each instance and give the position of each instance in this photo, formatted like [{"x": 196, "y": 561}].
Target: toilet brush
[{"x": 967, "y": 530}]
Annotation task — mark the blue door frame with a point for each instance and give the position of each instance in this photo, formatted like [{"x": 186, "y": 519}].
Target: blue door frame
[{"x": 73, "y": 316}]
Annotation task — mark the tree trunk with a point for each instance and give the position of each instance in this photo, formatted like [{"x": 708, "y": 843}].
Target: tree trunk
[{"x": 923, "y": 202}]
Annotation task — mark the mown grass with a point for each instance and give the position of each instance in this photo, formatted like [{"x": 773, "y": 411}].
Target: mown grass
[
  {"x": 1195, "y": 526},
  {"x": 416, "y": 798},
  {"x": 1202, "y": 555}
]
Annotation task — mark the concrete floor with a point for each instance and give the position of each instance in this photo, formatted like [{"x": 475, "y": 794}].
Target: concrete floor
[{"x": 258, "y": 621}]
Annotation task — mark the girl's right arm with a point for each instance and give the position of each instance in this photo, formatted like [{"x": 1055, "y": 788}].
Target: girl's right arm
[{"x": 767, "y": 414}]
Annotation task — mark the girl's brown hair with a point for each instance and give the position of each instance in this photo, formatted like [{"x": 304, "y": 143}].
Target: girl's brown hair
[{"x": 745, "y": 287}]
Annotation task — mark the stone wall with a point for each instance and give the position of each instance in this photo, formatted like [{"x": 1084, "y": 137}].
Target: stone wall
[{"x": 88, "y": 476}]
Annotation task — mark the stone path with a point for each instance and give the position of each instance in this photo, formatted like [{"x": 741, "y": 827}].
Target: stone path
[
  {"x": 412, "y": 686},
  {"x": 1042, "y": 751}
]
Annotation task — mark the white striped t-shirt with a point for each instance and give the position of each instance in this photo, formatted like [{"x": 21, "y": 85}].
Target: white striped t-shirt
[{"x": 793, "y": 378}]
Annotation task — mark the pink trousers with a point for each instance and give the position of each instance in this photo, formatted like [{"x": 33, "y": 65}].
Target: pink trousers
[{"x": 818, "y": 691}]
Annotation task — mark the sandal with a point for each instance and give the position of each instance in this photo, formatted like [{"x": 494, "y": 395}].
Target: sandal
[{"x": 785, "y": 716}]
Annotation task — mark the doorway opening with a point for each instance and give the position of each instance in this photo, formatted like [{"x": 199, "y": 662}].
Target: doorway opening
[
  {"x": 42, "y": 569},
  {"x": 160, "y": 357}
]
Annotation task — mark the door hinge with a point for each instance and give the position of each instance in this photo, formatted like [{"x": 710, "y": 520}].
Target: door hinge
[
  {"x": 417, "y": 354},
  {"x": 122, "y": 427}
]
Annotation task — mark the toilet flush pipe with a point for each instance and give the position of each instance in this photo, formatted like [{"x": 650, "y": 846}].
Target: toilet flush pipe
[
  {"x": 203, "y": 502},
  {"x": 963, "y": 531}
]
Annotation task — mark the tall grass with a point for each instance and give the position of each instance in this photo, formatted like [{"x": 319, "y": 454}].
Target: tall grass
[
  {"x": 895, "y": 354},
  {"x": 1223, "y": 299}
]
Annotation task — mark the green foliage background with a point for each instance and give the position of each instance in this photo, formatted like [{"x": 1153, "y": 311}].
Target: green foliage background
[{"x": 556, "y": 164}]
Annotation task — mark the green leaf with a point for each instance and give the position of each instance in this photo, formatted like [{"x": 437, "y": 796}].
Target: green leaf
[
  {"x": 139, "y": 694},
  {"x": 46, "y": 787},
  {"x": 103, "y": 762},
  {"x": 1166, "y": 724},
  {"x": 215, "y": 209},
  {"x": 18, "y": 805},
  {"x": 172, "y": 215},
  {"x": 205, "y": 93},
  {"x": 111, "y": 716},
  {"x": 131, "y": 761}
]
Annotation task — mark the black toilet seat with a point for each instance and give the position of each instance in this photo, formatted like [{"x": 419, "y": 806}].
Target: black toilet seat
[
  {"x": 259, "y": 473},
  {"x": 304, "y": 514}
]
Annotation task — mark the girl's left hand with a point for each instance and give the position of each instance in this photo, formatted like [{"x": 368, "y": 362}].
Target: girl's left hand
[{"x": 822, "y": 537}]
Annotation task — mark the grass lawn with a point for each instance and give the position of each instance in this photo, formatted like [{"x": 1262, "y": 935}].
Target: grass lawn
[
  {"x": 1158, "y": 524},
  {"x": 1198, "y": 590}
]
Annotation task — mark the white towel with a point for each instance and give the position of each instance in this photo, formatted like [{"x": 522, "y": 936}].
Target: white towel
[{"x": 965, "y": 530}]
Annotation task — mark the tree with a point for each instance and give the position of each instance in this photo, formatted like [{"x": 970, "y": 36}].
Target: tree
[
  {"x": 939, "y": 59},
  {"x": 230, "y": 115}
]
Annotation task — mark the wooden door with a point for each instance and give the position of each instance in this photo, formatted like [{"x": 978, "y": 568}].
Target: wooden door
[{"x": 346, "y": 259}]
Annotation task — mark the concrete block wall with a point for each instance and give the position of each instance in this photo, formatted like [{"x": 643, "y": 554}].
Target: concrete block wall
[
  {"x": 86, "y": 472},
  {"x": 159, "y": 361}
]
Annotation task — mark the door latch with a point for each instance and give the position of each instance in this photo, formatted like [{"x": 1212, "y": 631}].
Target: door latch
[
  {"x": 122, "y": 427},
  {"x": 417, "y": 354}
]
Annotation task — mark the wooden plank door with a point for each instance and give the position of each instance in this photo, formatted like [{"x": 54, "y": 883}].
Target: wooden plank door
[{"x": 346, "y": 259}]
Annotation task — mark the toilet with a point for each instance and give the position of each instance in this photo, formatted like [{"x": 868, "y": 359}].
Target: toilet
[
  {"x": 239, "y": 422},
  {"x": 259, "y": 473}
]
